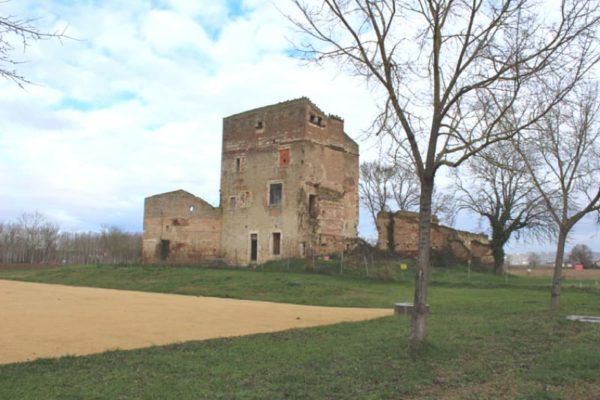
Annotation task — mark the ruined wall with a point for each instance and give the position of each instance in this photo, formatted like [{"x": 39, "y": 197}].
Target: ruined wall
[
  {"x": 180, "y": 228},
  {"x": 292, "y": 144},
  {"x": 404, "y": 228}
]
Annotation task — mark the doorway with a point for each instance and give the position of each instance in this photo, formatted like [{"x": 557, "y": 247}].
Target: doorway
[
  {"x": 164, "y": 248},
  {"x": 253, "y": 247}
]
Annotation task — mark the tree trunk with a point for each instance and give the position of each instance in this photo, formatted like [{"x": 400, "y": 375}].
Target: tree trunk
[
  {"x": 498, "y": 254},
  {"x": 419, "y": 315},
  {"x": 558, "y": 264}
]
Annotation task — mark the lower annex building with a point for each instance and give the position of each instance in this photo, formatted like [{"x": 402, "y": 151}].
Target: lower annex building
[{"x": 289, "y": 188}]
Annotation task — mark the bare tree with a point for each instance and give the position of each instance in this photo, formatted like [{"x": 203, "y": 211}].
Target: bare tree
[
  {"x": 375, "y": 187},
  {"x": 19, "y": 32},
  {"x": 499, "y": 189},
  {"x": 563, "y": 160},
  {"x": 581, "y": 254},
  {"x": 30, "y": 225},
  {"x": 405, "y": 187},
  {"x": 449, "y": 72}
]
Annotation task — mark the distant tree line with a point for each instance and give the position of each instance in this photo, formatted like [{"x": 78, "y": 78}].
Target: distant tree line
[{"x": 33, "y": 239}]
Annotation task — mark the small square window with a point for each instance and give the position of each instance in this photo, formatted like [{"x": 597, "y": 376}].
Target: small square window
[{"x": 275, "y": 194}]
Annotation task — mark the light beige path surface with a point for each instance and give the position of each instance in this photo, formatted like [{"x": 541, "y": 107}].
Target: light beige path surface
[{"x": 41, "y": 320}]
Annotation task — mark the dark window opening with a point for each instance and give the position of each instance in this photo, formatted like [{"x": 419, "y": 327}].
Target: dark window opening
[
  {"x": 259, "y": 125},
  {"x": 276, "y": 243},
  {"x": 238, "y": 164},
  {"x": 253, "y": 247},
  {"x": 312, "y": 206},
  {"x": 275, "y": 194},
  {"x": 284, "y": 157},
  {"x": 316, "y": 120},
  {"x": 164, "y": 248}
]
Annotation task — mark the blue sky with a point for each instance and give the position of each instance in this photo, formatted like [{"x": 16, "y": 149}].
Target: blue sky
[{"x": 134, "y": 105}]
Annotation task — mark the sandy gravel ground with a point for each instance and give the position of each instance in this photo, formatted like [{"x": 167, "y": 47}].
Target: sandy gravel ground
[{"x": 41, "y": 320}]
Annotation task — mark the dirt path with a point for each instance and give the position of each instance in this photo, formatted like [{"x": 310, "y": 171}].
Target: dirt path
[{"x": 40, "y": 320}]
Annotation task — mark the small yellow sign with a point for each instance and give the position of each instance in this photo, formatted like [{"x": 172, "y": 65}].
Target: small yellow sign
[{"x": 403, "y": 266}]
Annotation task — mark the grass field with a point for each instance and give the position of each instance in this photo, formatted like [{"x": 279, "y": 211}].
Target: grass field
[{"x": 489, "y": 337}]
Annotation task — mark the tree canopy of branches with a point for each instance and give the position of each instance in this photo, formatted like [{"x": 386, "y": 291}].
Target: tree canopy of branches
[
  {"x": 449, "y": 71},
  {"x": 499, "y": 189},
  {"x": 581, "y": 254},
  {"x": 16, "y": 32},
  {"x": 395, "y": 186},
  {"x": 374, "y": 187},
  {"x": 563, "y": 161}
]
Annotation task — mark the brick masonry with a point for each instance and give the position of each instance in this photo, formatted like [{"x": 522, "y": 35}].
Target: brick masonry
[
  {"x": 404, "y": 228},
  {"x": 289, "y": 188}
]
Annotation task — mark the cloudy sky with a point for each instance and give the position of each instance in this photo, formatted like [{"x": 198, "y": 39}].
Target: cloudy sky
[{"x": 134, "y": 105}]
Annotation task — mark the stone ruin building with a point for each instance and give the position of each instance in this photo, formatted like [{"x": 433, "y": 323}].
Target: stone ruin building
[
  {"x": 398, "y": 232},
  {"x": 289, "y": 188}
]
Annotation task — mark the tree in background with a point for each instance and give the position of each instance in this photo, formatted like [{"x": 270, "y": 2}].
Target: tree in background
[
  {"x": 38, "y": 234},
  {"x": 375, "y": 187},
  {"x": 34, "y": 239},
  {"x": 395, "y": 187},
  {"x": 581, "y": 254},
  {"x": 534, "y": 259},
  {"x": 498, "y": 188},
  {"x": 16, "y": 32},
  {"x": 563, "y": 161},
  {"x": 448, "y": 72}
]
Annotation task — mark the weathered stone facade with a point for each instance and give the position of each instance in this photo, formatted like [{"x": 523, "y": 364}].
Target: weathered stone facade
[
  {"x": 181, "y": 228},
  {"x": 398, "y": 231},
  {"x": 289, "y": 188}
]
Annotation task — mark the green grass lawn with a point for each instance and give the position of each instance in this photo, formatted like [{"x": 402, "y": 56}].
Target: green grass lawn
[{"x": 489, "y": 337}]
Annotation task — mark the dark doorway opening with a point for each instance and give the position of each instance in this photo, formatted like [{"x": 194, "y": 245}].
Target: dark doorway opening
[
  {"x": 163, "y": 252},
  {"x": 276, "y": 243},
  {"x": 312, "y": 206},
  {"x": 253, "y": 247}
]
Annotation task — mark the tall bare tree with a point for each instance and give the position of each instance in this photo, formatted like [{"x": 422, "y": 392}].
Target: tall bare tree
[
  {"x": 563, "y": 160},
  {"x": 16, "y": 32},
  {"x": 449, "y": 71},
  {"x": 498, "y": 188}
]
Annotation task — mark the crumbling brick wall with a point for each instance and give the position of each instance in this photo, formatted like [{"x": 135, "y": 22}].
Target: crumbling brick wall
[
  {"x": 400, "y": 231},
  {"x": 180, "y": 228},
  {"x": 295, "y": 145}
]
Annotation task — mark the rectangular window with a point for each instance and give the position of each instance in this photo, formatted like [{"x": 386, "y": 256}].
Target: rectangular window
[
  {"x": 312, "y": 205},
  {"x": 238, "y": 164},
  {"x": 275, "y": 194},
  {"x": 232, "y": 202},
  {"x": 276, "y": 243},
  {"x": 284, "y": 157}
]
